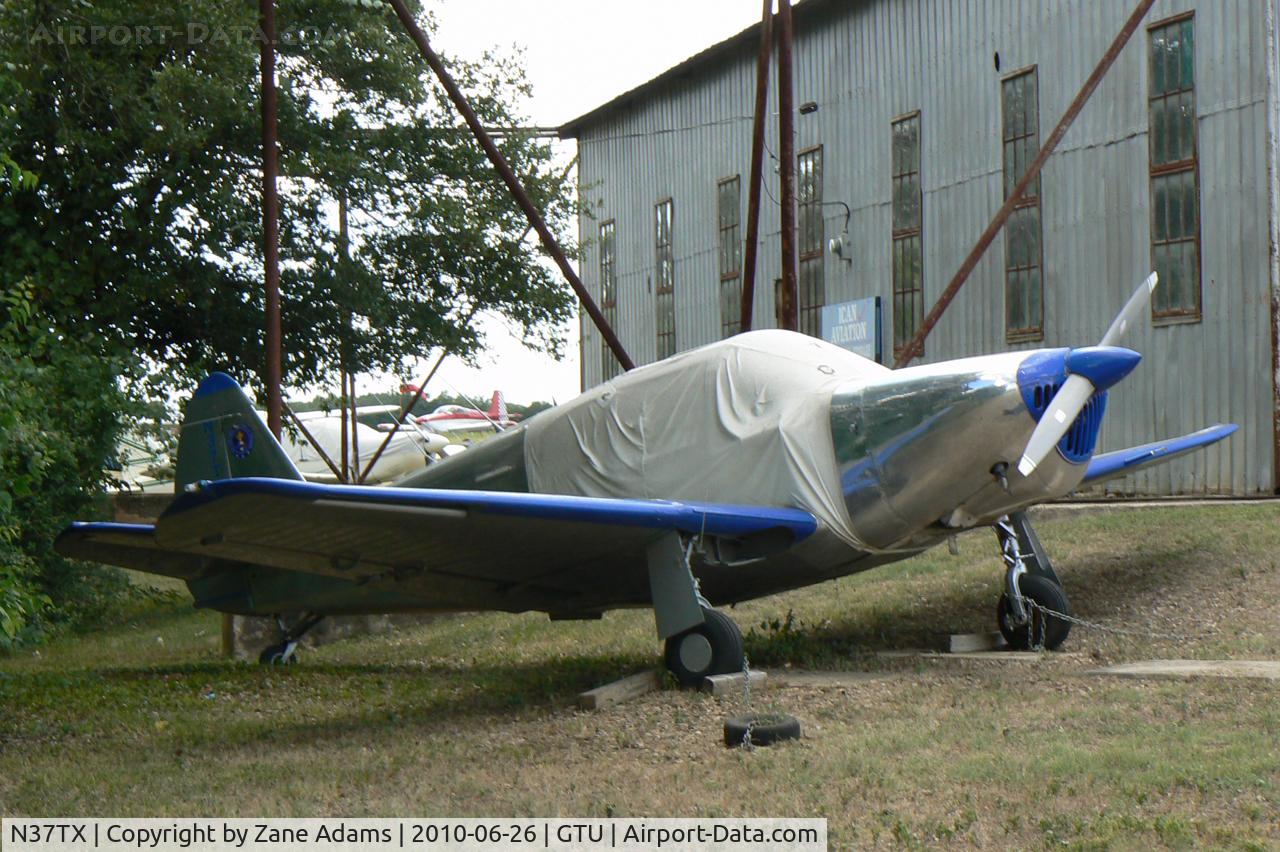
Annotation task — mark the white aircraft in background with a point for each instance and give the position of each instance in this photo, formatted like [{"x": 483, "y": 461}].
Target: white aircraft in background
[{"x": 410, "y": 450}]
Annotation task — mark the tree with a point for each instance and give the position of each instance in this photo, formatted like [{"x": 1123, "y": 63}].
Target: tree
[
  {"x": 130, "y": 231},
  {"x": 142, "y": 120}
]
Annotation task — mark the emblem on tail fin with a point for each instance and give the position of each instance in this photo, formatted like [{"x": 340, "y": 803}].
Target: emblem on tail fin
[{"x": 240, "y": 441}]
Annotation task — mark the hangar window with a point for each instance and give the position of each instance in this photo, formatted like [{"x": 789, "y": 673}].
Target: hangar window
[
  {"x": 908, "y": 259},
  {"x": 812, "y": 284},
  {"x": 728, "y": 205},
  {"x": 1175, "y": 170},
  {"x": 609, "y": 366},
  {"x": 1023, "y": 253},
  {"x": 664, "y": 280}
]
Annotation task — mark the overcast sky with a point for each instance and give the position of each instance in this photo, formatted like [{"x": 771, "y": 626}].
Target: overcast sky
[{"x": 578, "y": 54}]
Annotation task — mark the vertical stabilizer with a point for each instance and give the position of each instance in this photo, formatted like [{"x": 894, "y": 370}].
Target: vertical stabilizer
[
  {"x": 222, "y": 437},
  {"x": 497, "y": 407}
]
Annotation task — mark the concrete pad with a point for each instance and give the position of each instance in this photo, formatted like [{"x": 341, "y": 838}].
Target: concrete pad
[
  {"x": 963, "y": 643},
  {"x": 997, "y": 656},
  {"x": 1258, "y": 669},
  {"x": 827, "y": 680},
  {"x": 732, "y": 685},
  {"x": 983, "y": 656},
  {"x": 620, "y": 690}
]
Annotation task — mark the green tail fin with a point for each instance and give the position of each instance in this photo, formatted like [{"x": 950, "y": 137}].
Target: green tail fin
[{"x": 222, "y": 437}]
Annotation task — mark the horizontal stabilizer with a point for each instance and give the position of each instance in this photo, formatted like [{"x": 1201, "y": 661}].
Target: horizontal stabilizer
[
  {"x": 1116, "y": 464},
  {"x": 127, "y": 545}
]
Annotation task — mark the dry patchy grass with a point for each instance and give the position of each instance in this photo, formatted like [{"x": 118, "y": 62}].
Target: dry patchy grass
[{"x": 473, "y": 716}]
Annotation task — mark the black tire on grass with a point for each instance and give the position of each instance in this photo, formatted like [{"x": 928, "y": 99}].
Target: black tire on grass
[
  {"x": 1047, "y": 594},
  {"x": 766, "y": 729}
]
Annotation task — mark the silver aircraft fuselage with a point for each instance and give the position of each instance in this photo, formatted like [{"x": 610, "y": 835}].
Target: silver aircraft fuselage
[{"x": 922, "y": 453}]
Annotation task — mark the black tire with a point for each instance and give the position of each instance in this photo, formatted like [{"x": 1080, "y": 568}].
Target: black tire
[
  {"x": 273, "y": 655},
  {"x": 1049, "y": 631},
  {"x": 725, "y": 640},
  {"x": 766, "y": 729}
]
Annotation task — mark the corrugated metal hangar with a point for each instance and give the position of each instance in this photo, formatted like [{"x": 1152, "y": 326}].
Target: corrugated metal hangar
[{"x": 915, "y": 118}]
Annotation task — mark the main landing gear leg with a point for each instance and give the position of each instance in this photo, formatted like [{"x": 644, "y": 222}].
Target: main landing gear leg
[
  {"x": 1032, "y": 589},
  {"x": 284, "y": 651},
  {"x": 700, "y": 641}
]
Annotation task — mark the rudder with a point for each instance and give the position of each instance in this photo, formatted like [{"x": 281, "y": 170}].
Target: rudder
[{"x": 222, "y": 437}]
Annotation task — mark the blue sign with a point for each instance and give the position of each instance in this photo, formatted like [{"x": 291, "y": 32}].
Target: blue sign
[{"x": 854, "y": 326}]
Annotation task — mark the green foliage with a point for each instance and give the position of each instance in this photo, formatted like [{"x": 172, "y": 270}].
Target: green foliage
[
  {"x": 59, "y": 414},
  {"x": 130, "y": 233},
  {"x": 142, "y": 119}
]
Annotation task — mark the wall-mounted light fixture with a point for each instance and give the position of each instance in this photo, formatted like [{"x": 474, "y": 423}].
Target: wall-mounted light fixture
[{"x": 808, "y": 107}]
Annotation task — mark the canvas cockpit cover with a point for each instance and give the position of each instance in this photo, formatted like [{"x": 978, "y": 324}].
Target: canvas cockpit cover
[{"x": 744, "y": 420}]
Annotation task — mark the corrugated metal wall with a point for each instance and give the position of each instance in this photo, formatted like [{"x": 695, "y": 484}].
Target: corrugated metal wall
[{"x": 865, "y": 63}]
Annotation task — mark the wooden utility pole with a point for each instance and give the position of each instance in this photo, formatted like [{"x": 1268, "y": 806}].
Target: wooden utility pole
[
  {"x": 757, "y": 167},
  {"x": 787, "y": 168}
]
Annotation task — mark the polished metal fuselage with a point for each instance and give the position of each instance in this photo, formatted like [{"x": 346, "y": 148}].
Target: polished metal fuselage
[{"x": 930, "y": 450}]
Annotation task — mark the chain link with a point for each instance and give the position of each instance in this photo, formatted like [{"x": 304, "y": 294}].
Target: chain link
[
  {"x": 746, "y": 702},
  {"x": 1093, "y": 625}
]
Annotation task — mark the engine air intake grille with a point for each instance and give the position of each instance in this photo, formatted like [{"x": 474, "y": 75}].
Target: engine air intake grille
[{"x": 1077, "y": 445}]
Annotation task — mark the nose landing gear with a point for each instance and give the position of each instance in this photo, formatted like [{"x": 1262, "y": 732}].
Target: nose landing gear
[{"x": 1033, "y": 598}]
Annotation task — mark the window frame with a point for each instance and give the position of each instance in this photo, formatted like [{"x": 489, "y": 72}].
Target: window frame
[
  {"x": 809, "y": 316},
  {"x": 906, "y": 235},
  {"x": 1028, "y": 201},
  {"x": 1175, "y": 316},
  {"x": 732, "y": 278},
  {"x": 659, "y": 290},
  {"x": 609, "y": 366}
]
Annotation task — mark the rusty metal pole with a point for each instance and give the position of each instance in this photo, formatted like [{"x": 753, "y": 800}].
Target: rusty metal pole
[
  {"x": 346, "y": 441},
  {"x": 513, "y": 183},
  {"x": 270, "y": 215},
  {"x": 324, "y": 456},
  {"x": 1006, "y": 210},
  {"x": 787, "y": 153},
  {"x": 355, "y": 422},
  {"x": 757, "y": 167},
  {"x": 342, "y": 257}
]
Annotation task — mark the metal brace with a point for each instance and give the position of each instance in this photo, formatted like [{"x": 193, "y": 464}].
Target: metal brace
[
  {"x": 677, "y": 601},
  {"x": 1011, "y": 553}
]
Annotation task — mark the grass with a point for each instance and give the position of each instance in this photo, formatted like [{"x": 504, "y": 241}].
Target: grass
[{"x": 474, "y": 716}]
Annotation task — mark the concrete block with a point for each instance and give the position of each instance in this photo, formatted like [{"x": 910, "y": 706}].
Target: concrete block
[
  {"x": 620, "y": 690},
  {"x": 731, "y": 685}
]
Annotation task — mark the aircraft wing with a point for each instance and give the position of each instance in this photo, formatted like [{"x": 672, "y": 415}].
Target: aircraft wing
[
  {"x": 1116, "y": 464},
  {"x": 463, "y": 548}
]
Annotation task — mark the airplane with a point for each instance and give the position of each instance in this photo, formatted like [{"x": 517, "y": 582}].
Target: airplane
[
  {"x": 762, "y": 463},
  {"x": 459, "y": 418},
  {"x": 410, "y": 448}
]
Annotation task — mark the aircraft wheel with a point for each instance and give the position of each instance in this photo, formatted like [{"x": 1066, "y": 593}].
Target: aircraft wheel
[
  {"x": 713, "y": 647},
  {"x": 1047, "y": 630},
  {"x": 275, "y": 655}
]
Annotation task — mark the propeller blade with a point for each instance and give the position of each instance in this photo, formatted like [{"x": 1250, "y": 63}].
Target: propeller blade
[
  {"x": 1132, "y": 310},
  {"x": 1066, "y": 405}
]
